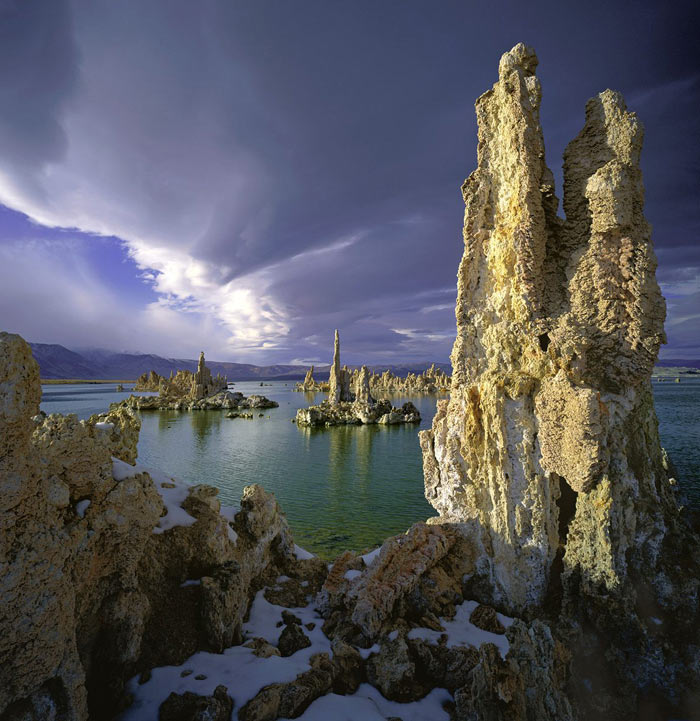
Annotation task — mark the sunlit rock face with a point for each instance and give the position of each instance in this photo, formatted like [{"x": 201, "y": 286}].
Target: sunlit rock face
[
  {"x": 549, "y": 442},
  {"x": 339, "y": 380}
]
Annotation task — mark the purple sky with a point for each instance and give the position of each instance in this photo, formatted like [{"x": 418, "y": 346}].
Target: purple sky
[{"x": 244, "y": 177}]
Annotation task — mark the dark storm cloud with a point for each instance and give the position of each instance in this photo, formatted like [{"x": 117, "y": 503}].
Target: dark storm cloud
[{"x": 288, "y": 168}]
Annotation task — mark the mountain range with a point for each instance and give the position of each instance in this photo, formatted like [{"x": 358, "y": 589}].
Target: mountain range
[{"x": 58, "y": 362}]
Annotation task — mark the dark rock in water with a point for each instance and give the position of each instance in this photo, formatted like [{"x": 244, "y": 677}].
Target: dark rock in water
[{"x": 193, "y": 707}]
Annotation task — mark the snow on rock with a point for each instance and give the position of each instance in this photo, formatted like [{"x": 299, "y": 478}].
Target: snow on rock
[
  {"x": 237, "y": 668},
  {"x": 81, "y": 507},
  {"x": 369, "y": 705},
  {"x": 104, "y": 426},
  {"x": 461, "y": 632},
  {"x": 369, "y": 558},
  {"x": 367, "y": 652},
  {"x": 302, "y": 554},
  {"x": 351, "y": 574},
  {"x": 171, "y": 491}
]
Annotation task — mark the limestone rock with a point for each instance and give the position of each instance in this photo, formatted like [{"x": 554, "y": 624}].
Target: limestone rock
[
  {"x": 432, "y": 380},
  {"x": 486, "y": 618},
  {"x": 148, "y": 382},
  {"x": 393, "y": 672},
  {"x": 122, "y": 427},
  {"x": 547, "y": 454},
  {"x": 289, "y": 700},
  {"x": 292, "y": 639},
  {"x": 339, "y": 381},
  {"x": 529, "y": 684},
  {"x": 363, "y": 394},
  {"x": 90, "y": 590},
  {"x": 549, "y": 372},
  {"x": 193, "y": 707},
  {"x": 356, "y": 413}
]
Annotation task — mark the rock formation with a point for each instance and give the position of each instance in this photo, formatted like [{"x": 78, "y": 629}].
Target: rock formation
[
  {"x": 148, "y": 382},
  {"x": 94, "y": 552},
  {"x": 184, "y": 385},
  {"x": 547, "y": 451},
  {"x": 311, "y": 385},
  {"x": 191, "y": 391},
  {"x": 343, "y": 407},
  {"x": 432, "y": 380},
  {"x": 339, "y": 380},
  {"x": 203, "y": 384},
  {"x": 363, "y": 394}
]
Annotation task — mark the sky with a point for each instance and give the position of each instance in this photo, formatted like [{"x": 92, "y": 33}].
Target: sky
[{"x": 245, "y": 177}]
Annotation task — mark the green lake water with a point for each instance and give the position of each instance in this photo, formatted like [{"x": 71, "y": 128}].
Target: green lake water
[{"x": 343, "y": 487}]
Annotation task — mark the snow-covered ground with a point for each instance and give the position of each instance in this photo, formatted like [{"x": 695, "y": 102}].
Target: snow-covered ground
[{"x": 244, "y": 673}]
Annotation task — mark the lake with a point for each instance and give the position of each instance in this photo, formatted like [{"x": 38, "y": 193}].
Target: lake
[{"x": 343, "y": 487}]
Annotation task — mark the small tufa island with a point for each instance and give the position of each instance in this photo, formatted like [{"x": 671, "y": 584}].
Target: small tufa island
[
  {"x": 343, "y": 407},
  {"x": 187, "y": 391}
]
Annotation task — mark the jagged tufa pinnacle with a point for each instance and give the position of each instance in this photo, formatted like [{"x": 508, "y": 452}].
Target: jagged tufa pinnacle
[{"x": 558, "y": 327}]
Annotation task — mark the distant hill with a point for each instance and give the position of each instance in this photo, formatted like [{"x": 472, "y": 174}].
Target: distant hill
[{"x": 56, "y": 362}]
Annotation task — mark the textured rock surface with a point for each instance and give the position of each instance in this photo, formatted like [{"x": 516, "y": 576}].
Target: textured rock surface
[
  {"x": 90, "y": 586},
  {"x": 339, "y": 380},
  {"x": 226, "y": 400},
  {"x": 356, "y": 413},
  {"x": 558, "y": 327},
  {"x": 190, "y": 390},
  {"x": 193, "y": 707},
  {"x": 347, "y": 407},
  {"x": 547, "y": 450},
  {"x": 432, "y": 380},
  {"x": 149, "y": 382}
]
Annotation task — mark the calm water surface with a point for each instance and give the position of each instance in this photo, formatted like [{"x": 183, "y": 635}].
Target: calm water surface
[{"x": 343, "y": 487}]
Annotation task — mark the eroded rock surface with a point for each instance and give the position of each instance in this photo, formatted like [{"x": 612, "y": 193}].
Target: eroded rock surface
[
  {"x": 345, "y": 407},
  {"x": 547, "y": 450},
  {"x": 95, "y": 555}
]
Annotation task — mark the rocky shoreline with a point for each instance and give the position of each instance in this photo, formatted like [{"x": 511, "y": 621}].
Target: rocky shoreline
[{"x": 560, "y": 580}]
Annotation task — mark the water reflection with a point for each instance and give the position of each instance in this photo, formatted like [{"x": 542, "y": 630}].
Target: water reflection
[{"x": 341, "y": 487}]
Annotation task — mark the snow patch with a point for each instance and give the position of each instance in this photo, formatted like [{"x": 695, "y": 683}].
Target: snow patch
[
  {"x": 237, "y": 668},
  {"x": 81, "y": 507},
  {"x": 367, "y": 652},
  {"x": 461, "y": 632},
  {"x": 191, "y": 582},
  {"x": 350, "y": 575},
  {"x": 104, "y": 426},
  {"x": 369, "y": 705},
  {"x": 172, "y": 497},
  {"x": 302, "y": 554},
  {"x": 368, "y": 558}
]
